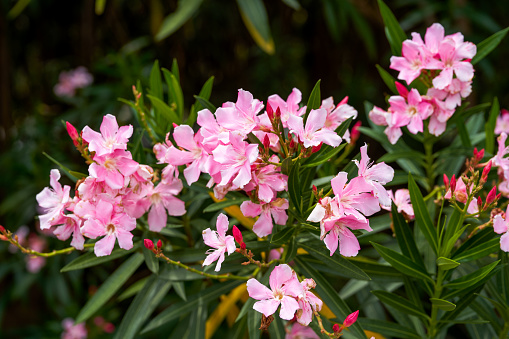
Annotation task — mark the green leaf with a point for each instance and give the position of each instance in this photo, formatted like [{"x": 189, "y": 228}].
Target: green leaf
[
  {"x": 396, "y": 155},
  {"x": 277, "y": 329},
  {"x": 390, "y": 329},
  {"x": 462, "y": 303},
  {"x": 314, "y": 100},
  {"x": 486, "y": 46},
  {"x": 155, "y": 81},
  {"x": 66, "y": 170},
  {"x": 290, "y": 251},
  {"x": 480, "y": 251},
  {"x": 400, "y": 303},
  {"x": 78, "y": 175},
  {"x": 142, "y": 306},
  {"x": 205, "y": 93},
  {"x": 223, "y": 204},
  {"x": 161, "y": 107},
  {"x": 388, "y": 79},
  {"x": 133, "y": 289},
  {"x": 402, "y": 263},
  {"x": 110, "y": 286},
  {"x": 394, "y": 32},
  {"x": 198, "y": 320},
  {"x": 490, "y": 126},
  {"x": 184, "y": 12},
  {"x": 464, "y": 135},
  {"x": 324, "y": 157},
  {"x": 253, "y": 324},
  {"x": 329, "y": 296},
  {"x": 376, "y": 269},
  {"x": 422, "y": 214},
  {"x": 184, "y": 307},
  {"x": 90, "y": 259},
  {"x": 405, "y": 237},
  {"x": 174, "y": 92},
  {"x": 293, "y": 4},
  {"x": 442, "y": 304},
  {"x": 472, "y": 278},
  {"x": 336, "y": 261},
  {"x": 446, "y": 264},
  {"x": 205, "y": 103},
  {"x": 283, "y": 236},
  {"x": 294, "y": 187},
  {"x": 175, "y": 69},
  {"x": 255, "y": 18}
]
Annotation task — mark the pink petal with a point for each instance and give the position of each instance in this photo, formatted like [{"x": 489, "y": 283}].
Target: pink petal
[
  {"x": 157, "y": 217},
  {"x": 280, "y": 275},
  {"x": 258, "y": 291},
  {"x": 263, "y": 226},
  {"x": 250, "y": 209},
  {"x": 93, "y": 229},
  {"x": 267, "y": 307},
  {"x": 125, "y": 239},
  {"x": 184, "y": 137},
  {"x": 348, "y": 243},
  {"x": 104, "y": 246},
  {"x": 222, "y": 225},
  {"x": 288, "y": 308},
  {"x": 504, "y": 242},
  {"x": 499, "y": 224},
  {"x": 109, "y": 126},
  {"x": 331, "y": 241},
  {"x": 210, "y": 238}
]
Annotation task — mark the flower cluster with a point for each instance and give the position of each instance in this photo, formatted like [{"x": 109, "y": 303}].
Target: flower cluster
[
  {"x": 223, "y": 148},
  {"x": 442, "y": 63},
  {"x": 70, "y": 81},
  {"x": 117, "y": 191},
  {"x": 351, "y": 204}
]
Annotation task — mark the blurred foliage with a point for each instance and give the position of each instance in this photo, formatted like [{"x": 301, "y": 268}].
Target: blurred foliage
[{"x": 337, "y": 41}]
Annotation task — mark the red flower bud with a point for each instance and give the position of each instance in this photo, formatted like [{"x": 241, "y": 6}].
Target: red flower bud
[
  {"x": 278, "y": 113},
  {"x": 2, "y": 229},
  {"x": 453, "y": 183},
  {"x": 237, "y": 235},
  {"x": 492, "y": 195},
  {"x": 486, "y": 171},
  {"x": 148, "y": 244},
  {"x": 498, "y": 196},
  {"x": 73, "y": 133},
  {"x": 266, "y": 142},
  {"x": 355, "y": 134},
  {"x": 175, "y": 125},
  {"x": 159, "y": 244},
  {"x": 243, "y": 246},
  {"x": 479, "y": 204},
  {"x": 479, "y": 155},
  {"x": 270, "y": 112},
  {"x": 315, "y": 190},
  {"x": 292, "y": 144},
  {"x": 335, "y": 328},
  {"x": 446, "y": 182},
  {"x": 402, "y": 90},
  {"x": 316, "y": 148},
  {"x": 351, "y": 319},
  {"x": 344, "y": 101}
]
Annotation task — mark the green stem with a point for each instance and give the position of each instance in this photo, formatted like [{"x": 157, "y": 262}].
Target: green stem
[
  {"x": 505, "y": 331},
  {"x": 434, "y": 308},
  {"x": 428, "y": 151}
]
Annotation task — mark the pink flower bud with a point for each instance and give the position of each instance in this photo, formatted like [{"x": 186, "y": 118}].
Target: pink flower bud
[
  {"x": 479, "y": 204},
  {"x": 243, "y": 246},
  {"x": 315, "y": 190},
  {"x": 479, "y": 155},
  {"x": 402, "y": 90},
  {"x": 446, "y": 181},
  {"x": 292, "y": 144},
  {"x": 278, "y": 113},
  {"x": 316, "y": 148},
  {"x": 237, "y": 235},
  {"x": 486, "y": 171},
  {"x": 344, "y": 101},
  {"x": 335, "y": 328},
  {"x": 266, "y": 142},
  {"x": 159, "y": 244},
  {"x": 270, "y": 112},
  {"x": 73, "y": 133},
  {"x": 148, "y": 244},
  {"x": 2, "y": 229},
  {"x": 453, "y": 183},
  {"x": 492, "y": 195},
  {"x": 175, "y": 125},
  {"x": 351, "y": 319},
  {"x": 503, "y": 111},
  {"x": 355, "y": 134}
]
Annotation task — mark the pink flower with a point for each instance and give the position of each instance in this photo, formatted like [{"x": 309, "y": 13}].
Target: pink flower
[
  {"x": 452, "y": 57},
  {"x": 308, "y": 302},
  {"x": 112, "y": 225},
  {"x": 289, "y": 107},
  {"x": 284, "y": 288},
  {"x": 240, "y": 118},
  {"x": 263, "y": 226},
  {"x": 69, "y": 81},
  {"x": 314, "y": 133},
  {"x": 410, "y": 112},
  {"x": 53, "y": 201},
  {"x": 402, "y": 201},
  {"x": 267, "y": 180},
  {"x": 338, "y": 230},
  {"x": 218, "y": 240},
  {"x": 299, "y": 331},
  {"x": 337, "y": 114},
  {"x": 113, "y": 168},
  {"x": 212, "y": 133},
  {"x": 34, "y": 263},
  {"x": 502, "y": 125},
  {"x": 72, "y": 225},
  {"x": 501, "y": 226},
  {"x": 111, "y": 137},
  {"x": 72, "y": 330}
]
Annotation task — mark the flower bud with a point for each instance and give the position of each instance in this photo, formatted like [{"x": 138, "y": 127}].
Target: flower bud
[
  {"x": 316, "y": 148},
  {"x": 351, "y": 319},
  {"x": 73, "y": 133},
  {"x": 292, "y": 144},
  {"x": 355, "y": 134},
  {"x": 315, "y": 190},
  {"x": 342, "y": 102},
  {"x": 453, "y": 183},
  {"x": 159, "y": 244},
  {"x": 278, "y": 113},
  {"x": 148, "y": 244},
  {"x": 270, "y": 112},
  {"x": 478, "y": 155},
  {"x": 485, "y": 172},
  {"x": 479, "y": 204},
  {"x": 266, "y": 142},
  {"x": 446, "y": 182},
  {"x": 243, "y": 246},
  {"x": 491, "y": 196},
  {"x": 237, "y": 235},
  {"x": 402, "y": 90},
  {"x": 175, "y": 125},
  {"x": 335, "y": 328}
]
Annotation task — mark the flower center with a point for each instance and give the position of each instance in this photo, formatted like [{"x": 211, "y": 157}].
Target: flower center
[{"x": 110, "y": 229}]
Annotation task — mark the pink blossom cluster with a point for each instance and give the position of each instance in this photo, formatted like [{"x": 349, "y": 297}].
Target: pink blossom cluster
[
  {"x": 501, "y": 162},
  {"x": 352, "y": 202},
  {"x": 294, "y": 296},
  {"x": 443, "y": 64},
  {"x": 222, "y": 148},
  {"x": 72, "y": 330},
  {"x": 402, "y": 201},
  {"x": 70, "y": 81},
  {"x": 117, "y": 191}
]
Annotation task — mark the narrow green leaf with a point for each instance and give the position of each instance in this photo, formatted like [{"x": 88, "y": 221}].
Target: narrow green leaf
[
  {"x": 293, "y": 4},
  {"x": 490, "y": 126},
  {"x": 480, "y": 251},
  {"x": 472, "y": 278},
  {"x": 480, "y": 238},
  {"x": 283, "y": 236},
  {"x": 393, "y": 156},
  {"x": 156, "y": 82},
  {"x": 174, "y": 21},
  {"x": 422, "y": 214},
  {"x": 99, "y": 6},
  {"x": 175, "y": 69},
  {"x": 110, "y": 286},
  {"x": 277, "y": 329},
  {"x": 286, "y": 166},
  {"x": 174, "y": 92},
  {"x": 255, "y": 18},
  {"x": 142, "y": 306},
  {"x": 89, "y": 259},
  {"x": 336, "y": 261},
  {"x": 253, "y": 324},
  {"x": 405, "y": 237},
  {"x": 162, "y": 108},
  {"x": 223, "y": 204},
  {"x": 198, "y": 320},
  {"x": 446, "y": 264},
  {"x": 205, "y": 103},
  {"x": 294, "y": 187},
  {"x": 442, "y": 304},
  {"x": 462, "y": 303},
  {"x": 402, "y": 263},
  {"x": 390, "y": 329},
  {"x": 324, "y": 157},
  {"x": 330, "y": 297},
  {"x": 290, "y": 251},
  {"x": 66, "y": 170},
  {"x": 78, "y": 175},
  {"x": 464, "y": 135},
  {"x": 133, "y": 289},
  {"x": 376, "y": 269},
  {"x": 314, "y": 100},
  {"x": 400, "y": 303},
  {"x": 388, "y": 79},
  {"x": 205, "y": 93},
  {"x": 486, "y": 46},
  {"x": 184, "y": 307},
  {"x": 394, "y": 32}
]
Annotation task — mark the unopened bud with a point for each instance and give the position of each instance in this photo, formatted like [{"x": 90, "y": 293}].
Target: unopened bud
[
  {"x": 492, "y": 195},
  {"x": 498, "y": 196},
  {"x": 292, "y": 144},
  {"x": 2, "y": 229},
  {"x": 344, "y": 101},
  {"x": 446, "y": 181},
  {"x": 278, "y": 113},
  {"x": 237, "y": 235},
  {"x": 315, "y": 190},
  {"x": 479, "y": 155},
  {"x": 453, "y": 183},
  {"x": 270, "y": 112},
  {"x": 266, "y": 142},
  {"x": 175, "y": 125},
  {"x": 73, "y": 133},
  {"x": 335, "y": 328},
  {"x": 316, "y": 148},
  {"x": 148, "y": 244},
  {"x": 355, "y": 134},
  {"x": 159, "y": 244},
  {"x": 402, "y": 90},
  {"x": 351, "y": 319},
  {"x": 243, "y": 246},
  {"x": 479, "y": 204},
  {"x": 485, "y": 172}
]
